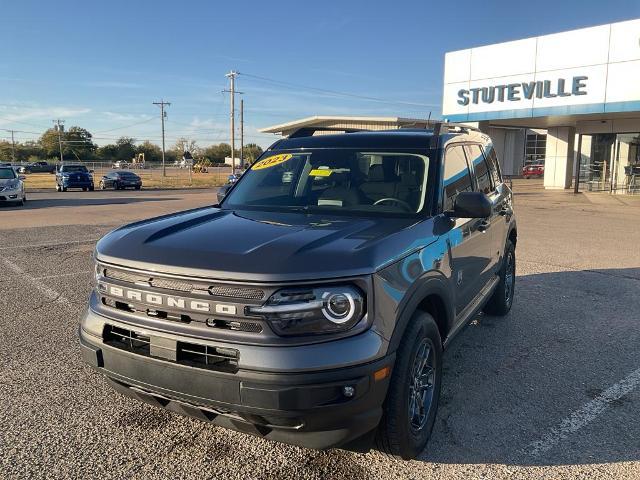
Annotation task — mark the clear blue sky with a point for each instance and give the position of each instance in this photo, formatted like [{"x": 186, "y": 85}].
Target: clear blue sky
[{"x": 100, "y": 65}]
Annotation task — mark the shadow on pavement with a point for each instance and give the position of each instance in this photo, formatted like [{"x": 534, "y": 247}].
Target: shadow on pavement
[
  {"x": 83, "y": 201},
  {"x": 509, "y": 382}
]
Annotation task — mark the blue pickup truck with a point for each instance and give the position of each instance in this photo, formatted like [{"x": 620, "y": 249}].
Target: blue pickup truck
[{"x": 74, "y": 176}]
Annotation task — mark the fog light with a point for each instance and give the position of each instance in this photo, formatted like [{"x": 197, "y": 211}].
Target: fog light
[{"x": 348, "y": 391}]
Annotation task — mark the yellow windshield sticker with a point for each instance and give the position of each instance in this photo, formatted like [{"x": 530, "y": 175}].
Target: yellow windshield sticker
[
  {"x": 272, "y": 161},
  {"x": 320, "y": 172}
]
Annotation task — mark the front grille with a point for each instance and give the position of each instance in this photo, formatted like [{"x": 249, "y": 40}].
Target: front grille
[
  {"x": 227, "y": 291},
  {"x": 236, "y": 292},
  {"x": 190, "y": 354},
  {"x": 125, "y": 276},
  {"x": 205, "y": 356},
  {"x": 171, "y": 284},
  {"x": 126, "y": 340},
  {"x": 236, "y": 325}
]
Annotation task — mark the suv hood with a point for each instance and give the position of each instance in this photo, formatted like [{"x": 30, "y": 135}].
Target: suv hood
[{"x": 263, "y": 246}]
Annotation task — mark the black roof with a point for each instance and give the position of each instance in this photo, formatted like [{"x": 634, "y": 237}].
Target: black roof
[
  {"x": 398, "y": 138},
  {"x": 362, "y": 139}
]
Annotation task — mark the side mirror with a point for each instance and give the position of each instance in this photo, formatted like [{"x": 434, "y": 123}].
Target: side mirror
[
  {"x": 222, "y": 192},
  {"x": 471, "y": 205}
]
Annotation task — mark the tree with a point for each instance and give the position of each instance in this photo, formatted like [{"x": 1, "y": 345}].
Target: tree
[
  {"x": 108, "y": 153},
  {"x": 182, "y": 145},
  {"x": 80, "y": 143},
  {"x": 5, "y": 151},
  {"x": 217, "y": 153},
  {"x": 77, "y": 143},
  {"x": 152, "y": 152},
  {"x": 49, "y": 141},
  {"x": 126, "y": 149},
  {"x": 251, "y": 152}
]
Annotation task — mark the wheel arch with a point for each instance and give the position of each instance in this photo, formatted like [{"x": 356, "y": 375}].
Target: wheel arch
[{"x": 432, "y": 297}]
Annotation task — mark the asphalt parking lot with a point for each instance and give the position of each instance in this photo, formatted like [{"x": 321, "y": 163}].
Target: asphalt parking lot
[{"x": 550, "y": 391}]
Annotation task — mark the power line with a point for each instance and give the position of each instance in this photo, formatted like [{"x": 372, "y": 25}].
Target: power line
[
  {"x": 334, "y": 92},
  {"x": 126, "y": 126}
]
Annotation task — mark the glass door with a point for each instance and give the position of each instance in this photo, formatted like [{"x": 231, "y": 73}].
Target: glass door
[
  {"x": 596, "y": 157},
  {"x": 626, "y": 169}
]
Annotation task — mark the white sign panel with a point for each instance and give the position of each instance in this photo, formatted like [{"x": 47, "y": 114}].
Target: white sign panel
[{"x": 592, "y": 70}]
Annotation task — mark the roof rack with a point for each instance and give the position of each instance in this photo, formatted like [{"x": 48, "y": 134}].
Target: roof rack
[
  {"x": 439, "y": 127},
  {"x": 309, "y": 131}
]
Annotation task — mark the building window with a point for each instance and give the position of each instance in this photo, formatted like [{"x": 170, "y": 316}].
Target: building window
[{"x": 535, "y": 148}]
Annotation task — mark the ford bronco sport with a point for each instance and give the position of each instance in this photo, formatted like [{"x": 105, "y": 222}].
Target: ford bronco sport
[{"x": 311, "y": 306}]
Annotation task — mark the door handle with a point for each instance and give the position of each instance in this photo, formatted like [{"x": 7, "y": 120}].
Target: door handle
[{"x": 483, "y": 226}]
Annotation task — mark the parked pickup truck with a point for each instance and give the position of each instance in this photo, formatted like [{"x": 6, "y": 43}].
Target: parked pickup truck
[
  {"x": 38, "y": 167},
  {"x": 312, "y": 304}
]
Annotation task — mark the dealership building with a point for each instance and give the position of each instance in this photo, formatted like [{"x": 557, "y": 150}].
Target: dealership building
[{"x": 570, "y": 100}]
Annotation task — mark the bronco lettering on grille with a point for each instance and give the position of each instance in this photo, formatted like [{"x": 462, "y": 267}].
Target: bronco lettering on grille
[{"x": 166, "y": 300}]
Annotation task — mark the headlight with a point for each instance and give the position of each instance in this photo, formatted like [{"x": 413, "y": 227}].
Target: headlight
[{"x": 312, "y": 311}]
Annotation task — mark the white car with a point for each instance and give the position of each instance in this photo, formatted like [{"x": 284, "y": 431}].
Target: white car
[{"x": 11, "y": 186}]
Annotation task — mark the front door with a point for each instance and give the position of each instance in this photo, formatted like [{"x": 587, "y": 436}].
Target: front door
[{"x": 467, "y": 238}]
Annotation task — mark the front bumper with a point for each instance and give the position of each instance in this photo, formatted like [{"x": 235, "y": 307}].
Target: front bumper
[
  {"x": 77, "y": 184},
  {"x": 306, "y": 408},
  {"x": 11, "y": 195}
]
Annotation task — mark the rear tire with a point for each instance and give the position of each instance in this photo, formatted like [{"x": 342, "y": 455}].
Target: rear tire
[
  {"x": 410, "y": 412},
  {"x": 502, "y": 298}
]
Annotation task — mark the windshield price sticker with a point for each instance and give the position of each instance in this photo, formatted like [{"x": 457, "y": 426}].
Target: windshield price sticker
[{"x": 272, "y": 161}]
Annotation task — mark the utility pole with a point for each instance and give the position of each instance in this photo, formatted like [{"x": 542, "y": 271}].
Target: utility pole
[
  {"x": 232, "y": 90},
  {"x": 13, "y": 148},
  {"x": 241, "y": 133},
  {"x": 59, "y": 123},
  {"x": 162, "y": 104}
]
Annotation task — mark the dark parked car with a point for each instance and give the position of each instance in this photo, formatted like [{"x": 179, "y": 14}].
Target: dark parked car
[
  {"x": 38, "y": 167},
  {"x": 73, "y": 176},
  {"x": 312, "y": 305},
  {"x": 120, "y": 180}
]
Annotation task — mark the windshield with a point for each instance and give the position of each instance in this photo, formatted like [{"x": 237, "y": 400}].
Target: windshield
[
  {"x": 7, "y": 173},
  {"x": 74, "y": 168},
  {"x": 338, "y": 180}
]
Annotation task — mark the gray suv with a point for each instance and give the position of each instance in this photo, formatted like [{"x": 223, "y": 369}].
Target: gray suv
[{"x": 312, "y": 304}]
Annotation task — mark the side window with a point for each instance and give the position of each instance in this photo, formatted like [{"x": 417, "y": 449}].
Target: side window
[
  {"x": 480, "y": 168},
  {"x": 456, "y": 175},
  {"x": 494, "y": 166}
]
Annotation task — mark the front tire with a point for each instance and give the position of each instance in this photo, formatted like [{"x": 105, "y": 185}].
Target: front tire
[
  {"x": 414, "y": 391},
  {"x": 502, "y": 298}
]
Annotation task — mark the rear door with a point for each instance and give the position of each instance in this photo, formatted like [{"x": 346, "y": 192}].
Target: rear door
[
  {"x": 501, "y": 203},
  {"x": 467, "y": 240},
  {"x": 484, "y": 183}
]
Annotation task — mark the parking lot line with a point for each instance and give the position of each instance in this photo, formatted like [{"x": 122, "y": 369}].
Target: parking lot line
[
  {"x": 35, "y": 245},
  {"x": 584, "y": 415},
  {"x": 50, "y": 293}
]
